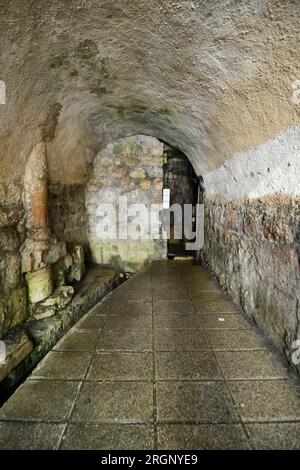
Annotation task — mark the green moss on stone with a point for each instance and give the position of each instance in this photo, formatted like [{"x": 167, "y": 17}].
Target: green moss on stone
[
  {"x": 122, "y": 148},
  {"x": 129, "y": 256},
  {"x": 56, "y": 62},
  {"x": 13, "y": 308},
  {"x": 18, "y": 305}
]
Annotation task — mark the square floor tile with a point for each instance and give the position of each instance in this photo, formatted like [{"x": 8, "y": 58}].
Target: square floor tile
[
  {"x": 162, "y": 307},
  {"x": 226, "y": 339},
  {"x": 104, "y": 303},
  {"x": 166, "y": 275},
  {"x": 250, "y": 365},
  {"x": 30, "y": 436},
  {"x": 212, "y": 321},
  {"x": 177, "y": 322},
  {"x": 203, "y": 297},
  {"x": 129, "y": 322},
  {"x": 102, "y": 308},
  {"x": 132, "y": 294},
  {"x": 202, "y": 437},
  {"x": 141, "y": 283},
  {"x": 170, "y": 295},
  {"x": 215, "y": 307},
  {"x": 41, "y": 400},
  {"x": 108, "y": 437},
  {"x": 125, "y": 340},
  {"x": 186, "y": 366},
  {"x": 121, "y": 366},
  {"x": 91, "y": 322},
  {"x": 77, "y": 340},
  {"x": 182, "y": 340},
  {"x": 132, "y": 307},
  {"x": 204, "y": 285},
  {"x": 168, "y": 285},
  {"x": 275, "y": 436},
  {"x": 70, "y": 365},
  {"x": 201, "y": 402},
  {"x": 168, "y": 292},
  {"x": 115, "y": 402},
  {"x": 268, "y": 400}
]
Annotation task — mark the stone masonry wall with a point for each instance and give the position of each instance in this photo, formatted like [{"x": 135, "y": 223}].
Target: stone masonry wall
[
  {"x": 132, "y": 168},
  {"x": 254, "y": 249},
  {"x": 252, "y": 243}
]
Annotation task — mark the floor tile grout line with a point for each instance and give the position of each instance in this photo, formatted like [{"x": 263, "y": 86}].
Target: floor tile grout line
[
  {"x": 227, "y": 387},
  {"x": 234, "y": 402},
  {"x": 247, "y": 422},
  {"x": 163, "y": 379},
  {"x": 61, "y": 436},
  {"x": 155, "y": 436},
  {"x": 226, "y": 381},
  {"x": 80, "y": 387},
  {"x": 252, "y": 327}
]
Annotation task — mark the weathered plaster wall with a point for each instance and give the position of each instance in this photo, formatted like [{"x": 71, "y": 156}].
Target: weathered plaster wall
[
  {"x": 273, "y": 167},
  {"x": 210, "y": 77},
  {"x": 252, "y": 239},
  {"x": 131, "y": 168}
]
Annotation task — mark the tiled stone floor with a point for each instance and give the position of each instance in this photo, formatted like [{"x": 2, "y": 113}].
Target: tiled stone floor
[{"x": 166, "y": 361}]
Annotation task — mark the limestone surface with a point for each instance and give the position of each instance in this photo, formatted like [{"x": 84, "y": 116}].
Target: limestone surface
[{"x": 210, "y": 77}]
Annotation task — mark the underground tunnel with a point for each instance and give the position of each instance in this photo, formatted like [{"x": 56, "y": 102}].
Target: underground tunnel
[{"x": 148, "y": 340}]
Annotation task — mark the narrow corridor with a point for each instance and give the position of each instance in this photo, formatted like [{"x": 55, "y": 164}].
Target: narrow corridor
[{"x": 165, "y": 361}]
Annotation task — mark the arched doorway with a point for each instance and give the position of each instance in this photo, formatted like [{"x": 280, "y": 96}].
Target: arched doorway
[{"x": 180, "y": 189}]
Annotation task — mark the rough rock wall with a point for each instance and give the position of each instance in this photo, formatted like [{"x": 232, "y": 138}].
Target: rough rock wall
[
  {"x": 32, "y": 261},
  {"x": 131, "y": 168},
  {"x": 13, "y": 297},
  {"x": 252, "y": 234},
  {"x": 68, "y": 214}
]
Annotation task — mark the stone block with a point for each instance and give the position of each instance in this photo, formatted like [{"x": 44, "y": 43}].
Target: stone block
[
  {"x": 119, "y": 173},
  {"x": 31, "y": 252},
  {"x": 18, "y": 347},
  {"x": 43, "y": 314},
  {"x": 32, "y": 261},
  {"x": 61, "y": 270},
  {"x": 137, "y": 174},
  {"x": 122, "y": 148},
  {"x": 61, "y": 297},
  {"x": 145, "y": 185},
  {"x": 78, "y": 269},
  {"x": 158, "y": 185},
  {"x": 40, "y": 234},
  {"x": 157, "y": 150},
  {"x": 54, "y": 253},
  {"x": 27, "y": 262},
  {"x": 155, "y": 172},
  {"x": 40, "y": 284},
  {"x": 132, "y": 161}
]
